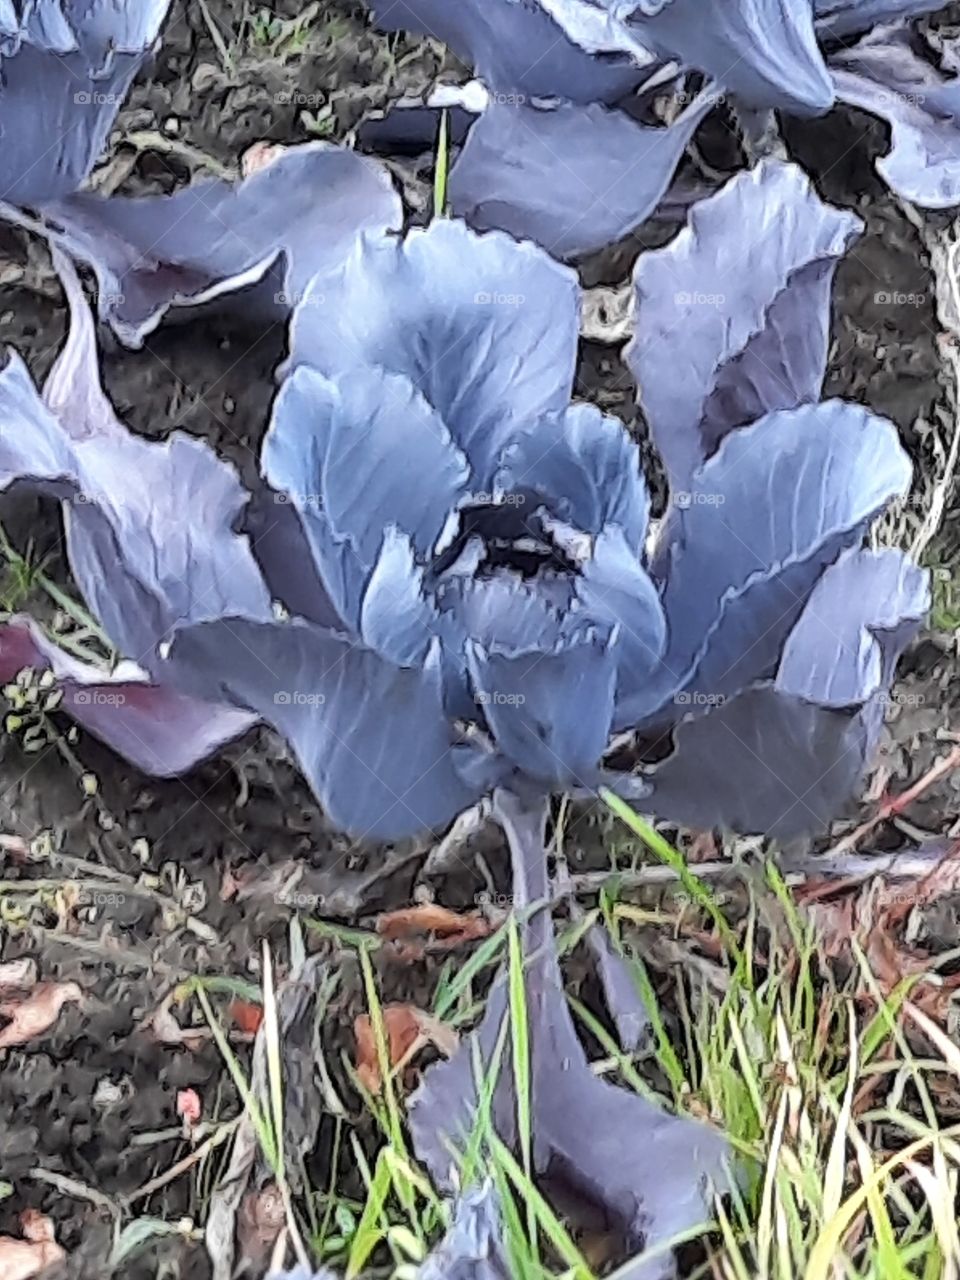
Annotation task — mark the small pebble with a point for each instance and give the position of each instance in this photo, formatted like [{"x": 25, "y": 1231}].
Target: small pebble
[{"x": 107, "y": 1093}]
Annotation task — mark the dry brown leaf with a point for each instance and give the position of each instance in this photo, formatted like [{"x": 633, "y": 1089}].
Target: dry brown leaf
[
  {"x": 23, "y": 1259},
  {"x": 189, "y": 1107},
  {"x": 408, "y": 1030},
  {"x": 259, "y": 155},
  {"x": 36, "y": 1226},
  {"x": 18, "y": 975},
  {"x": 442, "y": 928},
  {"x": 167, "y": 1030},
  {"x": 33, "y": 1014},
  {"x": 874, "y": 914},
  {"x": 230, "y": 883},
  {"x": 245, "y": 1016}
]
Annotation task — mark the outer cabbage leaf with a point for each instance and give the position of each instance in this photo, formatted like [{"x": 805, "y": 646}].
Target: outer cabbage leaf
[
  {"x": 764, "y": 51},
  {"x": 742, "y": 296},
  {"x": 826, "y": 658},
  {"x": 843, "y": 17},
  {"x": 573, "y": 178},
  {"x": 373, "y": 740},
  {"x": 765, "y": 762},
  {"x": 65, "y": 67},
  {"x": 516, "y": 48},
  {"x": 784, "y": 758},
  {"x": 141, "y": 567},
  {"x": 776, "y": 505},
  {"x": 275, "y": 229},
  {"x": 883, "y": 75},
  {"x": 158, "y": 729}
]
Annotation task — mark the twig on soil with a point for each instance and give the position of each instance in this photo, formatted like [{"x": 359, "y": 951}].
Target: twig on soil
[
  {"x": 910, "y": 865},
  {"x": 129, "y": 958},
  {"x": 223, "y": 1132},
  {"x": 150, "y": 140},
  {"x": 894, "y": 807},
  {"x": 76, "y": 1190},
  {"x": 216, "y": 35}
]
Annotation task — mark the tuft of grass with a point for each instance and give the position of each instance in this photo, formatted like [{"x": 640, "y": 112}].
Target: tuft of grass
[{"x": 847, "y": 1171}]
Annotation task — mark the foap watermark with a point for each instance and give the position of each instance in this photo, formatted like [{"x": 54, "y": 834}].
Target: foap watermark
[
  {"x": 294, "y": 98},
  {"x": 298, "y": 698},
  {"x": 898, "y": 699},
  {"x": 298, "y": 499},
  {"x": 94, "y": 98},
  {"x": 892, "y": 99},
  {"x": 895, "y": 298},
  {"x": 499, "y": 901},
  {"x": 497, "y": 499},
  {"x": 508, "y": 99},
  {"x": 687, "y": 299},
  {"x": 283, "y": 298},
  {"x": 101, "y": 898},
  {"x": 699, "y": 699},
  {"x": 698, "y": 498},
  {"x": 686, "y": 98},
  {"x": 484, "y": 299},
  {"x": 98, "y": 698},
  {"x": 299, "y": 900},
  {"x": 494, "y": 698}
]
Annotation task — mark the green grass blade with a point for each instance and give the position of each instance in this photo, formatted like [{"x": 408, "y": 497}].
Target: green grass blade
[{"x": 442, "y": 167}]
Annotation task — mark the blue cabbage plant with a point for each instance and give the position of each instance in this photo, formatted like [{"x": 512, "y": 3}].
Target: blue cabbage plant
[
  {"x": 448, "y": 586},
  {"x": 573, "y": 149}
]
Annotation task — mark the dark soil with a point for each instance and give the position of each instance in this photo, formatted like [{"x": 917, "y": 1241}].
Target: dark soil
[{"x": 80, "y": 1102}]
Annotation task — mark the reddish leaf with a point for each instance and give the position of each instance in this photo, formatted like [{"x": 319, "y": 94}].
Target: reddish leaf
[
  {"x": 189, "y": 1107},
  {"x": 408, "y": 1029},
  {"x": 245, "y": 1016},
  {"x": 33, "y": 1014}
]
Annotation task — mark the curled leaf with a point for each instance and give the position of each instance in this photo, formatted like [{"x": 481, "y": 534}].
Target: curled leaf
[
  {"x": 408, "y": 1029},
  {"x": 32, "y": 1015}
]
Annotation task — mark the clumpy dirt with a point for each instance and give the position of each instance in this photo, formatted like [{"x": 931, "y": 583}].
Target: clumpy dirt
[{"x": 95, "y": 1100}]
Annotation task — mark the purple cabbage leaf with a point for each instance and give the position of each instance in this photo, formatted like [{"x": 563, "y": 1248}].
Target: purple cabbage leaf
[
  {"x": 649, "y": 1172},
  {"x": 571, "y": 177},
  {"x": 66, "y": 67},
  {"x": 884, "y": 75},
  {"x": 517, "y": 49},
  {"x": 763, "y": 51},
  {"x": 155, "y": 727},
  {"x": 272, "y": 232},
  {"x": 846, "y": 17},
  {"x": 741, "y": 298},
  {"x": 130, "y": 551}
]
